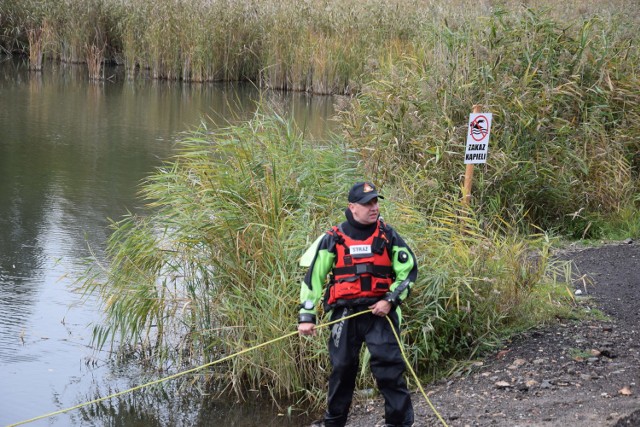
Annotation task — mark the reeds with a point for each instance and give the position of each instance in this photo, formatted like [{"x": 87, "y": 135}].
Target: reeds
[
  {"x": 315, "y": 46},
  {"x": 562, "y": 151},
  {"x": 213, "y": 268},
  {"x": 95, "y": 56},
  {"x": 479, "y": 282},
  {"x": 36, "y": 53}
]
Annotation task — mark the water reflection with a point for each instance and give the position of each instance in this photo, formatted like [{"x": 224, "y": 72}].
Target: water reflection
[
  {"x": 167, "y": 408},
  {"x": 72, "y": 155}
]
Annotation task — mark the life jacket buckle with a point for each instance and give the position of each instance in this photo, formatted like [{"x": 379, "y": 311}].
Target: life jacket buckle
[{"x": 362, "y": 268}]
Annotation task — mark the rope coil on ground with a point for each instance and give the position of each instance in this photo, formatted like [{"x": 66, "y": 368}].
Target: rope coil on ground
[{"x": 206, "y": 365}]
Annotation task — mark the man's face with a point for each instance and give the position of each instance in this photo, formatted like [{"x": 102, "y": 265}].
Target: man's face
[{"x": 365, "y": 213}]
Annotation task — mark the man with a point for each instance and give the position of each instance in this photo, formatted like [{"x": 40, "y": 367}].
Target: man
[{"x": 370, "y": 267}]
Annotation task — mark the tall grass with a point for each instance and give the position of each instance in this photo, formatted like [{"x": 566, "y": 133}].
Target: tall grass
[
  {"x": 70, "y": 31},
  {"x": 321, "y": 46},
  {"x": 214, "y": 268},
  {"x": 566, "y": 105},
  {"x": 480, "y": 283}
]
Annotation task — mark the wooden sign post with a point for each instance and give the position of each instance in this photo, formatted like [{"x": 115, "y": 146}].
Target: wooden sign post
[{"x": 477, "y": 147}]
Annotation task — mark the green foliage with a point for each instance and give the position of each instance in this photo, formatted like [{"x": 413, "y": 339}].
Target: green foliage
[
  {"x": 624, "y": 225},
  {"x": 321, "y": 46},
  {"x": 566, "y": 111},
  {"x": 478, "y": 282},
  {"x": 10, "y": 20},
  {"x": 214, "y": 269}
]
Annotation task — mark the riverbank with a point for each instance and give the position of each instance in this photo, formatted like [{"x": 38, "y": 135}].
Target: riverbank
[{"x": 572, "y": 373}]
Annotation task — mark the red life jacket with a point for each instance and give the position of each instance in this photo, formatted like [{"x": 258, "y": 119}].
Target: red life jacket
[{"x": 363, "y": 268}]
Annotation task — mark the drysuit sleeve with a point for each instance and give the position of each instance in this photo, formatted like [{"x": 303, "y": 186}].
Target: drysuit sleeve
[
  {"x": 315, "y": 279},
  {"x": 405, "y": 267}
]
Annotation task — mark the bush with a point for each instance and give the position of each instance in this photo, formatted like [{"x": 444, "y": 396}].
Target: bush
[
  {"x": 213, "y": 269},
  {"x": 565, "y": 111}
]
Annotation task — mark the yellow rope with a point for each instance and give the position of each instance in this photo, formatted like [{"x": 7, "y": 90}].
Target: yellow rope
[
  {"x": 415, "y": 377},
  {"x": 179, "y": 374},
  {"x": 170, "y": 377}
]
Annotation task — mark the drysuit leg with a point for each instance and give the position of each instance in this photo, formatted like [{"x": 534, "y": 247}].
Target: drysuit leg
[
  {"x": 344, "y": 352},
  {"x": 388, "y": 367}
]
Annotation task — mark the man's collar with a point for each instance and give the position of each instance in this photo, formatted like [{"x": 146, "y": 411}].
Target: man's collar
[{"x": 355, "y": 224}]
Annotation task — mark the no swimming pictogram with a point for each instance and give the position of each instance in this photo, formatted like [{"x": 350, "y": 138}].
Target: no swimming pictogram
[
  {"x": 478, "y": 138},
  {"x": 479, "y": 128}
]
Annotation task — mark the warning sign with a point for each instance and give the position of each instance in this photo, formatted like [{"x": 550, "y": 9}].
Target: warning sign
[{"x": 478, "y": 138}]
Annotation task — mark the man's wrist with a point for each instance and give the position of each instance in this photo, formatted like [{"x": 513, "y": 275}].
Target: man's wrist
[
  {"x": 306, "y": 318},
  {"x": 394, "y": 297},
  {"x": 391, "y": 299}
]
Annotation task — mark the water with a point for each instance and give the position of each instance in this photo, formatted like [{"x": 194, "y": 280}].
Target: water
[{"x": 72, "y": 153}]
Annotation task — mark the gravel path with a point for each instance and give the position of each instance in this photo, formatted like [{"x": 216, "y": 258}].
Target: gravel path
[{"x": 573, "y": 373}]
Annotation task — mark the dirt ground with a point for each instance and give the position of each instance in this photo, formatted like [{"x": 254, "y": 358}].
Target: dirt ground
[{"x": 574, "y": 373}]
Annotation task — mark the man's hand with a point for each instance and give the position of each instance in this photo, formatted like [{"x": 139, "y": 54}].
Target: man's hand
[
  {"x": 381, "y": 308},
  {"x": 307, "y": 329}
]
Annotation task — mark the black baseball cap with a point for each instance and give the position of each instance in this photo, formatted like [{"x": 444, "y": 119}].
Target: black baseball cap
[{"x": 363, "y": 192}]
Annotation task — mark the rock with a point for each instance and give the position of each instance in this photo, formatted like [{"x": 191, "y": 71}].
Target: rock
[
  {"x": 625, "y": 391},
  {"x": 503, "y": 384},
  {"x": 516, "y": 364}
]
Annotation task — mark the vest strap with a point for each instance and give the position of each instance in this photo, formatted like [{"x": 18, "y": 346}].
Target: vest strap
[{"x": 359, "y": 269}]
